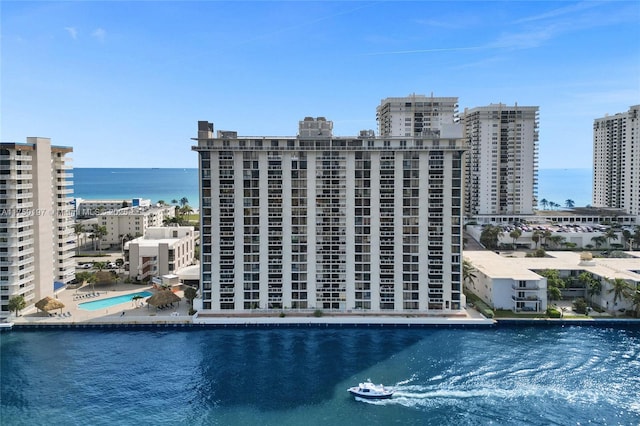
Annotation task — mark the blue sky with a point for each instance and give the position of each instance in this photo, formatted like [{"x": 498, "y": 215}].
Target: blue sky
[{"x": 124, "y": 83}]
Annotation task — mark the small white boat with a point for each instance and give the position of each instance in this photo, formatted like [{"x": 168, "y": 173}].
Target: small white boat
[{"x": 371, "y": 391}]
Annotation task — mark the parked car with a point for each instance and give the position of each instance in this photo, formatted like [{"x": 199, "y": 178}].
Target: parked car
[
  {"x": 86, "y": 265},
  {"x": 111, "y": 265}
]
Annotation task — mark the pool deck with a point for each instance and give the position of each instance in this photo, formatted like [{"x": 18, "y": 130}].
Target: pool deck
[
  {"x": 133, "y": 313},
  {"x": 136, "y": 315}
]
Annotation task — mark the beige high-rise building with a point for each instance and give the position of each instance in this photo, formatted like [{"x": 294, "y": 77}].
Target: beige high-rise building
[
  {"x": 37, "y": 240},
  {"x": 501, "y": 165},
  {"x": 363, "y": 224},
  {"x": 616, "y": 161}
]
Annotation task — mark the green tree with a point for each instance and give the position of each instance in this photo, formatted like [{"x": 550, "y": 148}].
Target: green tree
[
  {"x": 119, "y": 264},
  {"x": 184, "y": 201},
  {"x": 554, "y": 283},
  {"x": 545, "y": 203},
  {"x": 190, "y": 293},
  {"x": 16, "y": 304},
  {"x": 515, "y": 234},
  {"x": 557, "y": 240},
  {"x": 627, "y": 238},
  {"x": 592, "y": 285},
  {"x": 635, "y": 300},
  {"x": 610, "y": 235},
  {"x": 78, "y": 229},
  {"x": 490, "y": 236},
  {"x": 535, "y": 237},
  {"x": 97, "y": 233},
  {"x": 598, "y": 240},
  {"x": 569, "y": 204},
  {"x": 620, "y": 288},
  {"x": 468, "y": 272},
  {"x": 636, "y": 236}
]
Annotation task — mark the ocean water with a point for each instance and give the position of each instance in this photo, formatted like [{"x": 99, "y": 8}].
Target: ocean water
[
  {"x": 299, "y": 376},
  {"x": 560, "y": 185},
  {"x": 557, "y": 185},
  {"x": 125, "y": 184}
]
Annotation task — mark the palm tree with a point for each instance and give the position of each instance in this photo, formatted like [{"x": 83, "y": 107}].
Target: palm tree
[
  {"x": 545, "y": 203},
  {"x": 190, "y": 293},
  {"x": 627, "y": 237},
  {"x": 490, "y": 236},
  {"x": 620, "y": 288},
  {"x": 174, "y": 201},
  {"x": 546, "y": 234},
  {"x": 554, "y": 283},
  {"x": 99, "y": 232},
  {"x": 599, "y": 240},
  {"x": 16, "y": 304},
  {"x": 184, "y": 201},
  {"x": 635, "y": 300},
  {"x": 636, "y": 236},
  {"x": 119, "y": 264},
  {"x": 78, "y": 229},
  {"x": 610, "y": 235},
  {"x": 515, "y": 234},
  {"x": 569, "y": 204},
  {"x": 593, "y": 286},
  {"x": 557, "y": 240},
  {"x": 468, "y": 272},
  {"x": 535, "y": 237}
]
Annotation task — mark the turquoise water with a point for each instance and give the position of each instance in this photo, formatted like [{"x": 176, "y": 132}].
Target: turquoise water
[
  {"x": 557, "y": 185},
  {"x": 299, "y": 376},
  {"x": 94, "y": 305},
  {"x": 124, "y": 184}
]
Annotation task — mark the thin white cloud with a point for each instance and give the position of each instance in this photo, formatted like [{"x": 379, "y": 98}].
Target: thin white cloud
[
  {"x": 73, "y": 33},
  {"x": 559, "y": 12},
  {"x": 99, "y": 33},
  {"x": 443, "y": 49}
]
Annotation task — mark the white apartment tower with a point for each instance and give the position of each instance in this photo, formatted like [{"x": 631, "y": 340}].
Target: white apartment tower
[
  {"x": 37, "y": 241},
  {"x": 616, "y": 161},
  {"x": 330, "y": 223},
  {"x": 501, "y": 165},
  {"x": 416, "y": 115}
]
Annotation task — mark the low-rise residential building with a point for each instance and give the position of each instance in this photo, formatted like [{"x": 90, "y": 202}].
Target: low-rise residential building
[
  {"x": 131, "y": 221},
  {"x": 161, "y": 251},
  {"x": 515, "y": 283}
]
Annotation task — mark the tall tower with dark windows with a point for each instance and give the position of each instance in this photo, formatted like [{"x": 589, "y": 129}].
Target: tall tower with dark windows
[
  {"x": 501, "y": 176},
  {"x": 341, "y": 224},
  {"x": 616, "y": 161}
]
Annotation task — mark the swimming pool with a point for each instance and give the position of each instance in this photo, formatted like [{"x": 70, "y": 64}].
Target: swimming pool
[{"x": 94, "y": 305}]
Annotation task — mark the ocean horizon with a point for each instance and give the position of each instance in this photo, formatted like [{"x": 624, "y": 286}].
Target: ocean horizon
[{"x": 167, "y": 184}]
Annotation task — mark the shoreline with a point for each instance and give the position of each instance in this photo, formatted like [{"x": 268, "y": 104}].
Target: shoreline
[{"x": 328, "y": 322}]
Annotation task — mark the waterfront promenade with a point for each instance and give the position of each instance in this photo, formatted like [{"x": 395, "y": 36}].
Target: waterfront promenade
[{"x": 139, "y": 313}]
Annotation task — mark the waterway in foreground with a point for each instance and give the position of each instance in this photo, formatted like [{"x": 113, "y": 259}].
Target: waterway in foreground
[{"x": 501, "y": 376}]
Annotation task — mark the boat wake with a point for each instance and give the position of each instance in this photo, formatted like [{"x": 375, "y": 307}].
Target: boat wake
[{"x": 421, "y": 396}]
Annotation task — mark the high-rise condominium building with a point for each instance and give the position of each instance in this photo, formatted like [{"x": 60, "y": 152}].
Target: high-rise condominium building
[
  {"x": 416, "y": 115},
  {"x": 616, "y": 161},
  {"x": 501, "y": 167},
  {"x": 37, "y": 241},
  {"x": 333, "y": 223}
]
